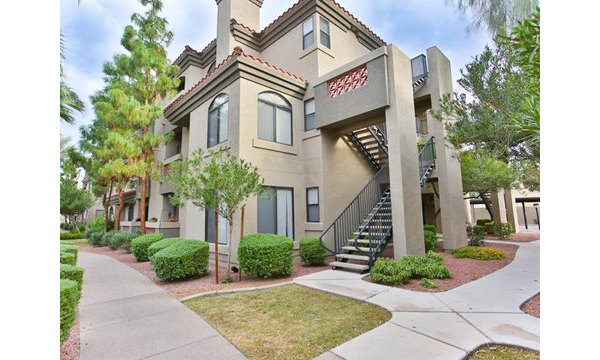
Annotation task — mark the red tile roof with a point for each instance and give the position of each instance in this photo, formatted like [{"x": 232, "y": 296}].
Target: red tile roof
[
  {"x": 189, "y": 50},
  {"x": 236, "y": 52}
]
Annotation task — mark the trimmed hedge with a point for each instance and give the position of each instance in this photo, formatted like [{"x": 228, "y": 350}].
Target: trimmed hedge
[
  {"x": 95, "y": 237},
  {"x": 128, "y": 238},
  {"x": 67, "y": 258},
  {"x": 490, "y": 228},
  {"x": 72, "y": 235},
  {"x": 430, "y": 240},
  {"x": 477, "y": 253},
  {"x": 182, "y": 259},
  {"x": 161, "y": 244},
  {"x": 266, "y": 255},
  {"x": 311, "y": 251},
  {"x": 389, "y": 272},
  {"x": 482, "y": 222},
  {"x": 72, "y": 272},
  {"x": 140, "y": 245},
  {"x": 107, "y": 237},
  {"x": 70, "y": 248},
  {"x": 69, "y": 296}
]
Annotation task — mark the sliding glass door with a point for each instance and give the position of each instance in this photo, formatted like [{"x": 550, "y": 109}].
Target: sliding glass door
[{"x": 276, "y": 211}]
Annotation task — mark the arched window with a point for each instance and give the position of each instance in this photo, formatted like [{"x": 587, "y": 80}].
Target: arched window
[
  {"x": 274, "y": 118},
  {"x": 217, "y": 120}
]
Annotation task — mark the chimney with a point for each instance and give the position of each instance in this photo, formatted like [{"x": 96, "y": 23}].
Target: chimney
[{"x": 246, "y": 12}]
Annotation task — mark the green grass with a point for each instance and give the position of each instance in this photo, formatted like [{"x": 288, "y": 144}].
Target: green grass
[
  {"x": 502, "y": 352},
  {"x": 287, "y": 322}
]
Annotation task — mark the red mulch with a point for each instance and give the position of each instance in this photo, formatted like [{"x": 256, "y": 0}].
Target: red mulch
[
  {"x": 521, "y": 236},
  {"x": 183, "y": 288},
  {"x": 70, "y": 348},
  {"x": 463, "y": 270},
  {"x": 532, "y": 306}
]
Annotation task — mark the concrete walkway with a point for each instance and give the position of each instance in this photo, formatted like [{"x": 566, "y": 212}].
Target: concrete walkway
[
  {"x": 123, "y": 315},
  {"x": 445, "y": 325}
]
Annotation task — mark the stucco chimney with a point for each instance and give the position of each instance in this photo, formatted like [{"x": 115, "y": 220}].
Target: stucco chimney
[{"x": 246, "y": 12}]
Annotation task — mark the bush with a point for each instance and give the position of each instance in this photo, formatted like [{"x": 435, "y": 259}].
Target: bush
[
  {"x": 428, "y": 284},
  {"x": 72, "y": 272},
  {"x": 482, "y": 222},
  {"x": 430, "y": 240},
  {"x": 161, "y": 244},
  {"x": 477, "y": 253},
  {"x": 266, "y": 255},
  {"x": 430, "y": 228},
  {"x": 428, "y": 266},
  {"x": 69, "y": 295},
  {"x": 311, "y": 251},
  {"x": 389, "y": 272},
  {"x": 96, "y": 225},
  {"x": 95, "y": 238},
  {"x": 503, "y": 229},
  {"x": 123, "y": 239},
  {"x": 107, "y": 237},
  {"x": 140, "y": 245},
  {"x": 476, "y": 234},
  {"x": 72, "y": 235},
  {"x": 70, "y": 248},
  {"x": 67, "y": 258},
  {"x": 182, "y": 259},
  {"x": 490, "y": 228}
]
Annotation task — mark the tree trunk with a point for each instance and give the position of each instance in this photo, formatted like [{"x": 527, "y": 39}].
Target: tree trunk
[
  {"x": 143, "y": 206},
  {"x": 242, "y": 236},
  {"x": 118, "y": 213},
  {"x": 488, "y": 204},
  {"x": 105, "y": 203},
  {"x": 216, "y": 246},
  {"x": 229, "y": 248}
]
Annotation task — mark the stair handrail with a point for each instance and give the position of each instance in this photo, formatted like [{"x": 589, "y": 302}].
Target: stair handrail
[
  {"x": 372, "y": 240},
  {"x": 426, "y": 157},
  {"x": 354, "y": 211}
]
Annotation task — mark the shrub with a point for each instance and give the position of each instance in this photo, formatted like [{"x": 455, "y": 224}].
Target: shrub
[
  {"x": 96, "y": 225},
  {"x": 140, "y": 245},
  {"x": 70, "y": 248},
  {"x": 482, "y": 222},
  {"x": 490, "y": 228},
  {"x": 503, "y": 229},
  {"x": 428, "y": 284},
  {"x": 123, "y": 239},
  {"x": 430, "y": 228},
  {"x": 429, "y": 266},
  {"x": 430, "y": 240},
  {"x": 389, "y": 272},
  {"x": 66, "y": 242},
  {"x": 72, "y": 272},
  {"x": 311, "y": 251},
  {"x": 69, "y": 295},
  {"x": 266, "y": 255},
  {"x": 67, "y": 258},
  {"x": 72, "y": 235},
  {"x": 161, "y": 244},
  {"x": 436, "y": 257},
  {"x": 477, "y": 253},
  {"x": 95, "y": 237},
  {"x": 107, "y": 237},
  {"x": 182, "y": 259},
  {"x": 476, "y": 234}
]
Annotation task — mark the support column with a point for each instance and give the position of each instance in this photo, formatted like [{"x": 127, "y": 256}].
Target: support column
[
  {"x": 511, "y": 209},
  {"x": 498, "y": 206},
  {"x": 407, "y": 217},
  {"x": 468, "y": 211},
  {"x": 447, "y": 162}
]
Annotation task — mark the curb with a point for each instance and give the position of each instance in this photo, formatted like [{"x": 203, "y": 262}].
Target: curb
[{"x": 232, "y": 291}]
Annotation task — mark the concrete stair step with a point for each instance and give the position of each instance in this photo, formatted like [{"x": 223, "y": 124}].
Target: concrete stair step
[
  {"x": 352, "y": 257},
  {"x": 351, "y": 266},
  {"x": 352, "y": 248}
]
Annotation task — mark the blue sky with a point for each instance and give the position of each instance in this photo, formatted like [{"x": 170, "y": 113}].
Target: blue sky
[{"x": 93, "y": 29}]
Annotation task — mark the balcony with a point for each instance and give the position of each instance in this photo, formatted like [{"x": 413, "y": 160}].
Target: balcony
[{"x": 173, "y": 148}]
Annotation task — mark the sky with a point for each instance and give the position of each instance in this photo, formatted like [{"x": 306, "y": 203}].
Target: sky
[{"x": 93, "y": 29}]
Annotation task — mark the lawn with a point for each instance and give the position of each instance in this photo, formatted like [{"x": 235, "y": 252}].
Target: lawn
[
  {"x": 287, "y": 322},
  {"x": 501, "y": 352}
]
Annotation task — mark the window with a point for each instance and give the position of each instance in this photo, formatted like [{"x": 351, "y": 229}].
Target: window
[
  {"x": 212, "y": 66},
  {"x": 274, "y": 118},
  {"x": 275, "y": 211},
  {"x": 308, "y": 34},
  {"x": 309, "y": 114},
  {"x": 210, "y": 227},
  {"x": 181, "y": 84},
  {"x": 312, "y": 204},
  {"x": 325, "y": 37},
  {"x": 217, "y": 120},
  {"x": 130, "y": 213}
]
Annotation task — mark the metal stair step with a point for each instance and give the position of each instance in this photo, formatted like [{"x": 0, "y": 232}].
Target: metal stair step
[
  {"x": 352, "y": 257},
  {"x": 364, "y": 241},
  {"x": 345, "y": 265},
  {"x": 352, "y": 248}
]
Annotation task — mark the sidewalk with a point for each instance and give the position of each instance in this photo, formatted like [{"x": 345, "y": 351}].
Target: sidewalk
[
  {"x": 446, "y": 325},
  {"x": 123, "y": 315}
]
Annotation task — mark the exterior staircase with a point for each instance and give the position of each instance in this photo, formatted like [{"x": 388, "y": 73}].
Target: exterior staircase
[{"x": 371, "y": 142}]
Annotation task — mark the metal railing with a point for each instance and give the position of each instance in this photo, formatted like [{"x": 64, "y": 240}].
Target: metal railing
[
  {"x": 356, "y": 212},
  {"x": 426, "y": 159}
]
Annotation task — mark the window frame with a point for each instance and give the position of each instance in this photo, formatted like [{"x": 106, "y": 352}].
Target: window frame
[
  {"x": 275, "y": 107},
  {"x": 276, "y": 219},
  {"x": 217, "y": 109},
  {"x": 307, "y": 114},
  {"x": 318, "y": 205},
  {"x": 310, "y": 33},
  {"x": 322, "y": 33}
]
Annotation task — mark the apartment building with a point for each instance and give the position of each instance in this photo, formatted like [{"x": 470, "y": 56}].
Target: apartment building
[{"x": 338, "y": 123}]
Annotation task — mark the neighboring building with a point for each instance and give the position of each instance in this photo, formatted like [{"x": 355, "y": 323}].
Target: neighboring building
[
  {"x": 521, "y": 208},
  {"x": 332, "y": 117}
]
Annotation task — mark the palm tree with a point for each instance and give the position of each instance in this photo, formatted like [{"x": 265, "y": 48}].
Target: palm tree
[
  {"x": 69, "y": 101},
  {"x": 493, "y": 14}
]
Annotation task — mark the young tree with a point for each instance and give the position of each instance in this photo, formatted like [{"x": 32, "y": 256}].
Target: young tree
[
  {"x": 196, "y": 179},
  {"x": 137, "y": 81},
  {"x": 73, "y": 200}
]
